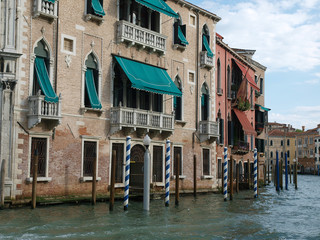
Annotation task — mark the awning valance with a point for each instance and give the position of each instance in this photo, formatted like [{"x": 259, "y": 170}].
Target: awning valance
[
  {"x": 91, "y": 90},
  {"x": 148, "y": 78},
  {"x": 207, "y": 46},
  {"x": 44, "y": 81},
  {"x": 50, "y": 1},
  {"x": 97, "y": 7},
  {"x": 182, "y": 37},
  {"x": 263, "y": 108},
  {"x": 247, "y": 76},
  {"x": 246, "y": 125},
  {"x": 159, "y": 6}
]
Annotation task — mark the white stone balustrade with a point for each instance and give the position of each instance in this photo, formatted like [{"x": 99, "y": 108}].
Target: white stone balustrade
[
  {"x": 40, "y": 110},
  {"x": 45, "y": 8},
  {"x": 209, "y": 130},
  {"x": 141, "y": 36},
  {"x": 206, "y": 61},
  {"x": 137, "y": 118}
]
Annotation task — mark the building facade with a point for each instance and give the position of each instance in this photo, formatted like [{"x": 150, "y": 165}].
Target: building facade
[{"x": 109, "y": 70}]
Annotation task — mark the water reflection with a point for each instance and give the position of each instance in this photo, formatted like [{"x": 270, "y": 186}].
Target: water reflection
[{"x": 286, "y": 215}]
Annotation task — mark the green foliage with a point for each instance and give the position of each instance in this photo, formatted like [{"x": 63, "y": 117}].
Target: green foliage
[{"x": 243, "y": 105}]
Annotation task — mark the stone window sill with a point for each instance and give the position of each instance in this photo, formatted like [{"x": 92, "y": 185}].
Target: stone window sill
[
  {"x": 88, "y": 179},
  {"x": 206, "y": 177},
  {"x": 180, "y": 177},
  {"x": 39, "y": 179}
]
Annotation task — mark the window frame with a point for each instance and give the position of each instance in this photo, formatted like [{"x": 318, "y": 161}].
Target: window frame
[
  {"x": 160, "y": 184},
  {"x": 195, "y": 20},
  {"x": 89, "y": 139},
  {"x": 209, "y": 163},
  {"x": 178, "y": 78},
  {"x": 39, "y": 179},
  {"x": 118, "y": 185},
  {"x": 194, "y": 76},
  {"x": 74, "y": 44},
  {"x": 219, "y": 176}
]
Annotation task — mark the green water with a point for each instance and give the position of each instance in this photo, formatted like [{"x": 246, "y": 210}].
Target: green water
[{"x": 292, "y": 214}]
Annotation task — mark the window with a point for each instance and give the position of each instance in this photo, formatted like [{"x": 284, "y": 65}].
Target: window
[
  {"x": 311, "y": 152},
  {"x": 251, "y": 97},
  {"x": 256, "y": 78},
  {"x": 310, "y": 140},
  {"x": 92, "y": 78},
  {"x": 299, "y": 152},
  {"x": 230, "y": 133},
  {"x": 299, "y": 142},
  {"x": 229, "y": 82},
  {"x": 219, "y": 89},
  {"x": 271, "y": 143},
  {"x": 288, "y": 154},
  {"x": 271, "y": 154},
  {"x": 261, "y": 85},
  {"x": 118, "y": 149},
  {"x": 221, "y": 130},
  {"x": 281, "y": 143},
  {"x": 190, "y": 77},
  {"x": 177, "y": 101},
  {"x": 281, "y": 155},
  {"x": 206, "y": 41},
  {"x": 179, "y": 36},
  {"x": 95, "y": 7},
  {"x": 177, "y": 153},
  {"x": 306, "y": 140},
  {"x": 204, "y": 102},
  {"x": 219, "y": 168},
  {"x": 206, "y": 162},
  {"x": 68, "y": 44},
  {"x": 288, "y": 142},
  {"x": 89, "y": 152},
  {"x": 192, "y": 20},
  {"x": 157, "y": 164},
  {"x": 40, "y": 145}
]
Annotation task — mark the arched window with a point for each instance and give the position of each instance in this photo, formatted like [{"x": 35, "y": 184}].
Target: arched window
[
  {"x": 91, "y": 94},
  {"x": 177, "y": 101},
  {"x": 204, "y": 102},
  {"x": 41, "y": 74},
  {"x": 271, "y": 154},
  {"x": 117, "y": 87},
  {"x": 219, "y": 90},
  {"x": 180, "y": 36},
  {"x": 229, "y": 81},
  {"x": 206, "y": 41}
]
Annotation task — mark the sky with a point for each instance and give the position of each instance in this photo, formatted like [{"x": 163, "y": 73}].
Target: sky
[{"x": 286, "y": 37}]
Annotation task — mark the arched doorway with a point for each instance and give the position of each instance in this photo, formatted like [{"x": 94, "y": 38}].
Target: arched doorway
[{"x": 136, "y": 166}]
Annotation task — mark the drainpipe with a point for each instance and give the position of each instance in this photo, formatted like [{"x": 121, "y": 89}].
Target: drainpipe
[
  {"x": 57, "y": 45},
  {"x": 226, "y": 139},
  {"x": 197, "y": 73}
]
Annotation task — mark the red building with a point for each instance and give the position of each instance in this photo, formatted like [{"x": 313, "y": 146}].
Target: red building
[{"x": 235, "y": 106}]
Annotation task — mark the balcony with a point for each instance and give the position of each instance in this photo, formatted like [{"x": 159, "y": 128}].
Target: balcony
[
  {"x": 205, "y": 61},
  {"x": 136, "y": 119},
  {"x": 240, "y": 147},
  {"x": 143, "y": 37},
  {"x": 209, "y": 130},
  {"x": 42, "y": 111},
  {"x": 45, "y": 9},
  {"x": 259, "y": 127}
]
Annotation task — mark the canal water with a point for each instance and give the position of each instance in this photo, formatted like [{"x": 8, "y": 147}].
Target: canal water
[{"x": 292, "y": 214}]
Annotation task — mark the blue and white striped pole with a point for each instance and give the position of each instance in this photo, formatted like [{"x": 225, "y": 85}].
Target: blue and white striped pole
[
  {"x": 255, "y": 173},
  {"x": 167, "y": 173},
  {"x": 225, "y": 174},
  {"x": 127, "y": 174}
]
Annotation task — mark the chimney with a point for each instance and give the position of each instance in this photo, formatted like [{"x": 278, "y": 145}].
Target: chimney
[
  {"x": 318, "y": 126},
  {"x": 303, "y": 127}
]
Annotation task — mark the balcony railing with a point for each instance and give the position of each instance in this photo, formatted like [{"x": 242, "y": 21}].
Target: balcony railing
[
  {"x": 206, "y": 61},
  {"x": 40, "y": 110},
  {"x": 45, "y": 9},
  {"x": 240, "y": 147},
  {"x": 141, "y": 36},
  {"x": 209, "y": 130},
  {"x": 143, "y": 119}
]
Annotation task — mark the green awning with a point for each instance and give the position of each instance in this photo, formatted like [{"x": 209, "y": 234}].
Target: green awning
[
  {"x": 50, "y": 1},
  {"x": 207, "y": 46},
  {"x": 148, "y": 78},
  {"x": 159, "y": 6},
  {"x": 97, "y": 8},
  {"x": 263, "y": 108},
  {"x": 44, "y": 81},
  {"x": 182, "y": 37},
  {"x": 91, "y": 90}
]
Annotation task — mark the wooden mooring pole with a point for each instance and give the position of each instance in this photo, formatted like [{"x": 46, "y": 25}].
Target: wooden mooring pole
[
  {"x": 94, "y": 182},
  {"x": 231, "y": 177},
  {"x": 296, "y": 175},
  {"x": 249, "y": 174},
  {"x": 3, "y": 172},
  {"x": 281, "y": 174},
  {"x": 113, "y": 177},
  {"x": 177, "y": 168},
  {"x": 222, "y": 177},
  {"x": 194, "y": 175},
  {"x": 290, "y": 171},
  {"x": 34, "y": 180}
]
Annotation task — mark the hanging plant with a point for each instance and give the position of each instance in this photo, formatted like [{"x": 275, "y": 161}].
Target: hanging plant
[{"x": 243, "y": 105}]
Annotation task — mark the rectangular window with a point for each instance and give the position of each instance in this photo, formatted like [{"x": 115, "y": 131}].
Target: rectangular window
[
  {"x": 219, "y": 168},
  {"x": 89, "y": 156},
  {"x": 157, "y": 164},
  {"x": 192, "y": 20},
  {"x": 288, "y": 154},
  {"x": 281, "y": 142},
  {"x": 261, "y": 85},
  {"x": 306, "y": 140},
  {"x": 95, "y": 7},
  {"x": 206, "y": 162},
  {"x": 68, "y": 44},
  {"x": 191, "y": 77},
  {"x": 177, "y": 153},
  {"x": 119, "y": 151},
  {"x": 221, "y": 131},
  {"x": 288, "y": 142},
  {"x": 39, "y": 145},
  {"x": 310, "y": 140}
]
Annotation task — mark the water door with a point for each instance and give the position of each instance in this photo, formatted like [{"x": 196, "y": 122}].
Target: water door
[{"x": 136, "y": 167}]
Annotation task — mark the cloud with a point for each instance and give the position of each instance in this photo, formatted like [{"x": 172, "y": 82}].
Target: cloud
[
  {"x": 317, "y": 74},
  {"x": 282, "y": 32},
  {"x": 309, "y": 82},
  {"x": 308, "y": 116}
]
